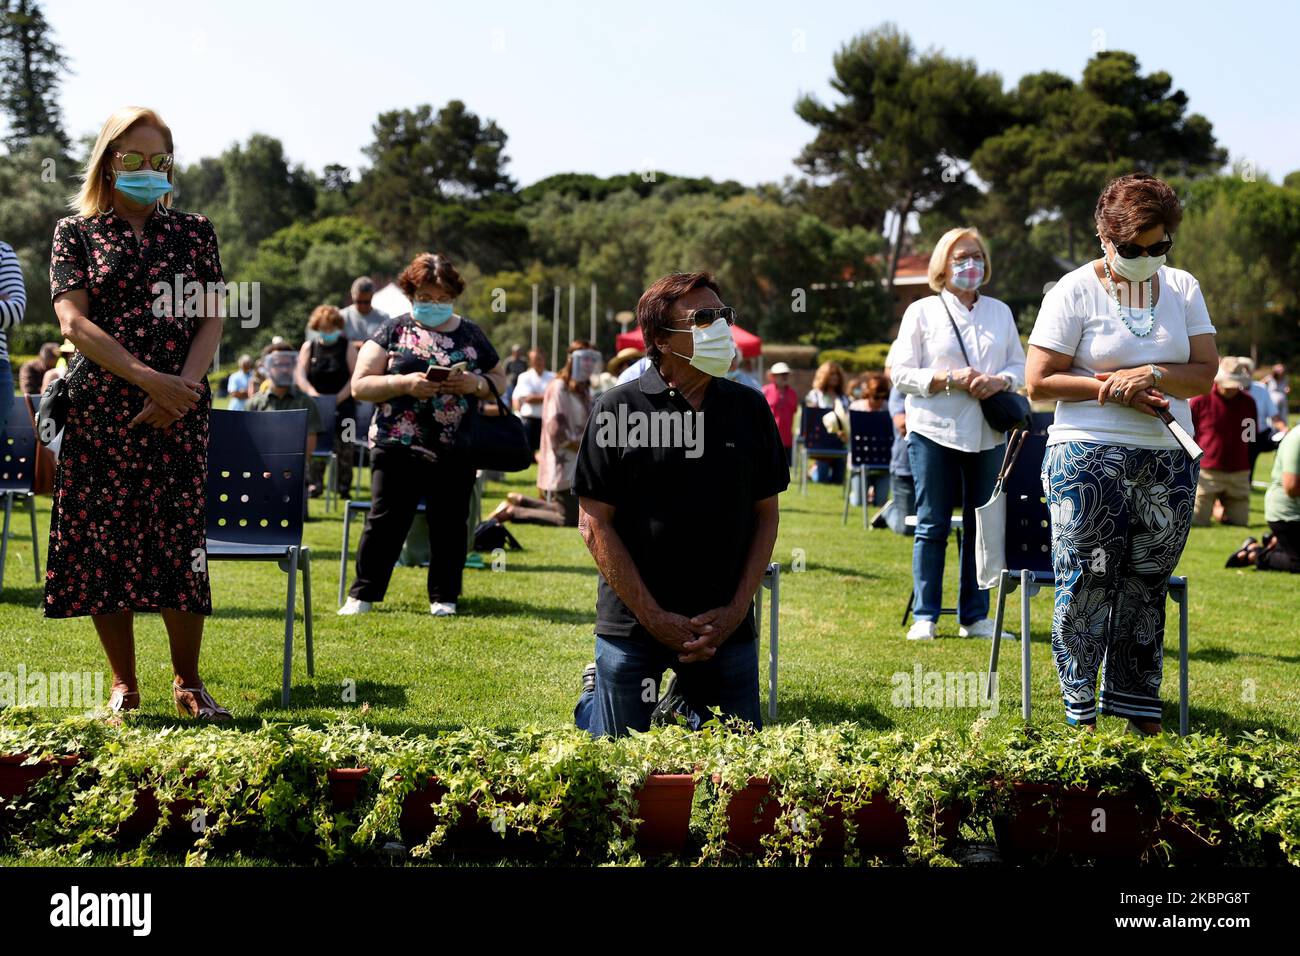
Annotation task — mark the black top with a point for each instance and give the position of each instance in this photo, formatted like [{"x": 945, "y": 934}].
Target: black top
[
  {"x": 685, "y": 512},
  {"x": 327, "y": 366},
  {"x": 515, "y": 368}
]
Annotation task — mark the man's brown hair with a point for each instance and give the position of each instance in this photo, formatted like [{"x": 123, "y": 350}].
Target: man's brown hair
[{"x": 654, "y": 309}]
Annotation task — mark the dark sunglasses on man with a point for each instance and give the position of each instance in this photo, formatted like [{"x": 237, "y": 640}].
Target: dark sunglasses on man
[
  {"x": 703, "y": 318},
  {"x": 133, "y": 161}
]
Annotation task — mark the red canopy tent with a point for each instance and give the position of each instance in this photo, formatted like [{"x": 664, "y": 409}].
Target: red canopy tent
[{"x": 748, "y": 344}]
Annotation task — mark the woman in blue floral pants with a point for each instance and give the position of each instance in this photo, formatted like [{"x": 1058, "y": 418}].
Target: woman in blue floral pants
[{"x": 1120, "y": 518}]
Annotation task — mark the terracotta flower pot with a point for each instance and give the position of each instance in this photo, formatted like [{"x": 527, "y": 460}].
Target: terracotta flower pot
[
  {"x": 664, "y": 807},
  {"x": 345, "y": 786},
  {"x": 16, "y": 778},
  {"x": 751, "y": 814},
  {"x": 1047, "y": 820}
]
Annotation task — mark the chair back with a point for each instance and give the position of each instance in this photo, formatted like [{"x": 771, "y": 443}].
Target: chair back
[
  {"x": 18, "y": 448},
  {"x": 815, "y": 435},
  {"x": 1029, "y": 522},
  {"x": 255, "y": 476},
  {"x": 328, "y": 406},
  {"x": 361, "y": 419},
  {"x": 871, "y": 439},
  {"x": 1039, "y": 422}
]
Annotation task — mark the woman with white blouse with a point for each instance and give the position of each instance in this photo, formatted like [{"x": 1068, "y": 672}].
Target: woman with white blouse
[
  {"x": 1115, "y": 340},
  {"x": 950, "y": 446}
]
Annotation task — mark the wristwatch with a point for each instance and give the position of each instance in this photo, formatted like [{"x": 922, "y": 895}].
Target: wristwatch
[
  {"x": 1156, "y": 373},
  {"x": 947, "y": 385}
]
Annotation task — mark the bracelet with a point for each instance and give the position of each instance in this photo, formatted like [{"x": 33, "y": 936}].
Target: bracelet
[{"x": 947, "y": 385}]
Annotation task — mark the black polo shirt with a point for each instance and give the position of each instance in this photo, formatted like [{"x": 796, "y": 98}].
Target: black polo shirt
[{"x": 683, "y": 485}]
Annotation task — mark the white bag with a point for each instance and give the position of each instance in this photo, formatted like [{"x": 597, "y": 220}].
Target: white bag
[{"x": 991, "y": 521}]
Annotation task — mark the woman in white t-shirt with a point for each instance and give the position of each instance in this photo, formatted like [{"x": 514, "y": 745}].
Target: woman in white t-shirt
[
  {"x": 950, "y": 446},
  {"x": 1116, "y": 339}
]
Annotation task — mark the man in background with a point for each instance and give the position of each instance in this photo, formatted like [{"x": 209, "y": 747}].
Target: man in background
[
  {"x": 361, "y": 319},
  {"x": 1223, "y": 419},
  {"x": 784, "y": 403},
  {"x": 529, "y": 392},
  {"x": 280, "y": 360}
]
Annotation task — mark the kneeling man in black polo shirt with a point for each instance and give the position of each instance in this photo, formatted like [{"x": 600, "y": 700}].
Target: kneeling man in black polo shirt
[{"x": 678, "y": 477}]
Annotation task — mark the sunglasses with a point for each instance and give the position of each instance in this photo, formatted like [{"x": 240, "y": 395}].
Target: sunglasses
[
  {"x": 1131, "y": 250},
  {"x": 133, "y": 160},
  {"x": 702, "y": 318}
]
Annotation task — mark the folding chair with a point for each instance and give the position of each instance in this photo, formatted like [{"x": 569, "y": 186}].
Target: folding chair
[
  {"x": 360, "y": 438},
  {"x": 17, "y": 472},
  {"x": 327, "y": 405},
  {"x": 255, "y": 502},
  {"x": 815, "y": 442},
  {"x": 1029, "y": 567},
  {"x": 871, "y": 445},
  {"x": 771, "y": 581}
]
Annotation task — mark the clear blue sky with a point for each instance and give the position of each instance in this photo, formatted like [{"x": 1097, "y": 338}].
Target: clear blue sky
[{"x": 695, "y": 88}]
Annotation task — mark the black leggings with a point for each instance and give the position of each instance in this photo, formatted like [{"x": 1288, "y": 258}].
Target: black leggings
[
  {"x": 399, "y": 479},
  {"x": 1285, "y": 553}
]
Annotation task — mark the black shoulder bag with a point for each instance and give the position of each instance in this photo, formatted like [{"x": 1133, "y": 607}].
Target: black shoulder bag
[
  {"x": 1004, "y": 410},
  {"x": 52, "y": 413},
  {"x": 494, "y": 442}
]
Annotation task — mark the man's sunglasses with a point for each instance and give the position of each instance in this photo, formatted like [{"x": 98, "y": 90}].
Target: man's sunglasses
[
  {"x": 1131, "y": 250},
  {"x": 702, "y": 318},
  {"x": 133, "y": 160}
]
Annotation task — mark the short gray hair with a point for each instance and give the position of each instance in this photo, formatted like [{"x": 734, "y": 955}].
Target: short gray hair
[{"x": 362, "y": 284}]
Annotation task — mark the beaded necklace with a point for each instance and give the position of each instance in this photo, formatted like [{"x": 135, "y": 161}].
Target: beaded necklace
[{"x": 1123, "y": 310}]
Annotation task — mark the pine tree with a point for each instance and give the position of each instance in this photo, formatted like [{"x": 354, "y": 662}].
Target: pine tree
[{"x": 30, "y": 67}]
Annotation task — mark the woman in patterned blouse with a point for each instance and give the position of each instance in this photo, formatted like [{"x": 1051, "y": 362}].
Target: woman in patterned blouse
[
  {"x": 127, "y": 532},
  {"x": 413, "y": 432}
]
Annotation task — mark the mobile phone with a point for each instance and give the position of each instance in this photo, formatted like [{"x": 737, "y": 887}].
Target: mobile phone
[{"x": 437, "y": 373}]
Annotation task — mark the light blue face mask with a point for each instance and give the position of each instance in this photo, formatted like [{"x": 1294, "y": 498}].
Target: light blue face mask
[
  {"x": 327, "y": 338},
  {"x": 144, "y": 185},
  {"x": 431, "y": 314}
]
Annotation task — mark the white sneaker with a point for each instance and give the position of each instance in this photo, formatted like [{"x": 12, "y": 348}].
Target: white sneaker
[
  {"x": 353, "y": 606},
  {"x": 983, "y": 629},
  {"x": 442, "y": 609},
  {"x": 921, "y": 631}
]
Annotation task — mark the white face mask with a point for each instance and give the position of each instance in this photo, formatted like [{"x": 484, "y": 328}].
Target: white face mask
[
  {"x": 714, "y": 348},
  {"x": 1135, "y": 270}
]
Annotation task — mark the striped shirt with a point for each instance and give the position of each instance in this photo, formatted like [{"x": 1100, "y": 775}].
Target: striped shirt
[{"x": 13, "y": 295}]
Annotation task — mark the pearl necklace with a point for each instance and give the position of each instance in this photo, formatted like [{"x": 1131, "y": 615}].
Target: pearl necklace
[{"x": 1122, "y": 309}]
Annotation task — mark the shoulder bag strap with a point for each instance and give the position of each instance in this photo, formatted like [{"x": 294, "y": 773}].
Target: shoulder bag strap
[{"x": 955, "y": 330}]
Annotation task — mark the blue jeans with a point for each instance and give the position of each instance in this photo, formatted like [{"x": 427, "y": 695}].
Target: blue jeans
[
  {"x": 628, "y": 670},
  {"x": 6, "y": 393},
  {"x": 903, "y": 492},
  {"x": 877, "y": 480},
  {"x": 939, "y": 473}
]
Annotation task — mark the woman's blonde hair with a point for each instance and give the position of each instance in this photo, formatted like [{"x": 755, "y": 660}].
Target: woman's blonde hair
[
  {"x": 942, "y": 249},
  {"x": 323, "y": 317},
  {"x": 823, "y": 376},
  {"x": 96, "y": 194}
]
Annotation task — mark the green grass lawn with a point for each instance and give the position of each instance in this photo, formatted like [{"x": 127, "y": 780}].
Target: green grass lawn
[{"x": 515, "y": 653}]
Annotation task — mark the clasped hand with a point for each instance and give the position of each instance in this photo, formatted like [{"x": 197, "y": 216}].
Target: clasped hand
[
  {"x": 694, "y": 638},
  {"x": 1132, "y": 387}
]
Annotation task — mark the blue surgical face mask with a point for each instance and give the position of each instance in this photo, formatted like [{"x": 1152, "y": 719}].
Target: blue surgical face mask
[
  {"x": 143, "y": 185},
  {"x": 327, "y": 338},
  {"x": 431, "y": 314}
]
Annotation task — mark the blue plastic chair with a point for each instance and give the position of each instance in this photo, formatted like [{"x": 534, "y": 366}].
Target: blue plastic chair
[
  {"x": 1029, "y": 567},
  {"x": 17, "y": 472},
  {"x": 255, "y": 504},
  {"x": 815, "y": 441},
  {"x": 871, "y": 446}
]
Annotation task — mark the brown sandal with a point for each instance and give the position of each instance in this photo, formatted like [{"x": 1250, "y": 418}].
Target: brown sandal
[{"x": 197, "y": 702}]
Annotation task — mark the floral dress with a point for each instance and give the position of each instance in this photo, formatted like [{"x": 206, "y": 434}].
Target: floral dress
[
  {"x": 128, "y": 520},
  {"x": 427, "y": 426}
]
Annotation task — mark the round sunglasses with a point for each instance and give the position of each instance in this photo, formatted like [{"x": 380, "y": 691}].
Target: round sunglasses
[
  {"x": 1131, "y": 250},
  {"x": 134, "y": 160}
]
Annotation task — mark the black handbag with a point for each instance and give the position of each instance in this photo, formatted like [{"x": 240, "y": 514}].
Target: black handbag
[
  {"x": 1005, "y": 410},
  {"x": 494, "y": 442},
  {"x": 52, "y": 413}
]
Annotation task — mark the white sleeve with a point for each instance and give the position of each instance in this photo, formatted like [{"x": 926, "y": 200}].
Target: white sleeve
[
  {"x": 910, "y": 376},
  {"x": 1014, "y": 354},
  {"x": 1197, "y": 314},
  {"x": 1059, "y": 325}
]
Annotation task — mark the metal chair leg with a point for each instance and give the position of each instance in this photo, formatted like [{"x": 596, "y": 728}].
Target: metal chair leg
[
  {"x": 865, "y": 483},
  {"x": 36, "y": 541},
  {"x": 1182, "y": 660},
  {"x": 343, "y": 555},
  {"x": 4, "y": 538},
  {"x": 305, "y": 564},
  {"x": 848, "y": 482},
  {"x": 803, "y": 469},
  {"x": 1004, "y": 580},
  {"x": 1024, "y": 645},
  {"x": 773, "y": 640},
  {"x": 289, "y": 604}
]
